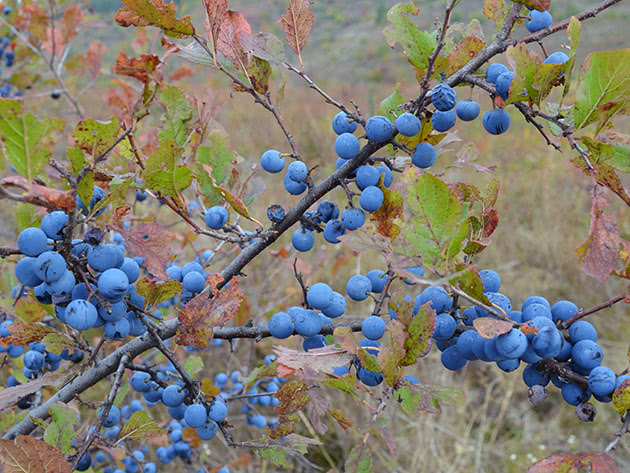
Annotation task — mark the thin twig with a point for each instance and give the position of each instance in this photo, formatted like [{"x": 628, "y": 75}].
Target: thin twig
[
  {"x": 625, "y": 428},
  {"x": 490, "y": 310},
  {"x": 592, "y": 310},
  {"x": 300, "y": 281},
  {"x": 105, "y": 411}
]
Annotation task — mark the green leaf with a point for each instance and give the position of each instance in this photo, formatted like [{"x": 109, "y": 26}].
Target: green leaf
[
  {"x": 420, "y": 331},
  {"x": 155, "y": 292},
  {"x": 259, "y": 72},
  {"x": 58, "y": 342},
  {"x": 345, "y": 384},
  {"x": 496, "y": 10},
  {"x": 531, "y": 75},
  {"x": 389, "y": 106},
  {"x": 277, "y": 456},
  {"x": 417, "y": 45},
  {"x": 369, "y": 361},
  {"x": 154, "y": 13},
  {"x": 139, "y": 427},
  {"x": 117, "y": 191},
  {"x": 85, "y": 188},
  {"x": 95, "y": 137},
  {"x": 60, "y": 431},
  {"x": 76, "y": 156},
  {"x": 120, "y": 397},
  {"x": 604, "y": 85},
  {"x": 178, "y": 113},
  {"x": 359, "y": 460},
  {"x": 193, "y": 365},
  {"x": 470, "y": 282},
  {"x": 26, "y": 216},
  {"x": 410, "y": 401},
  {"x": 163, "y": 172},
  {"x": 218, "y": 156},
  {"x": 28, "y": 142},
  {"x": 437, "y": 217}
]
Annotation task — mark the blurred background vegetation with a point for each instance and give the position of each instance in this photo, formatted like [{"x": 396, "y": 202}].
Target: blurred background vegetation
[{"x": 543, "y": 205}]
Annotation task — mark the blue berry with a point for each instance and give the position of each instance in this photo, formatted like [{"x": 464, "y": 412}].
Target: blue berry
[
  {"x": 556, "y": 58},
  {"x": 378, "y": 128},
  {"x": 538, "y": 20},
  {"x": 32, "y": 241},
  {"x": 352, "y": 218},
  {"x": 587, "y": 354},
  {"x": 358, "y": 287},
  {"x": 496, "y": 122},
  {"x": 341, "y": 124},
  {"x": 194, "y": 282},
  {"x": 50, "y": 266},
  {"x": 216, "y": 217},
  {"x": 275, "y": 213},
  {"x": 367, "y": 176},
  {"x": 373, "y": 327},
  {"x": 333, "y": 230},
  {"x": 424, "y": 155},
  {"x": 80, "y": 314},
  {"x": 280, "y": 325},
  {"x": 292, "y": 187},
  {"x": 337, "y": 307},
  {"x": 195, "y": 415},
  {"x": 271, "y": 161},
  {"x": 601, "y": 381},
  {"x": 408, "y": 124},
  {"x": 512, "y": 344},
  {"x": 563, "y": 310},
  {"x": 113, "y": 285},
  {"x": 303, "y": 240},
  {"x": 494, "y": 71},
  {"x": 467, "y": 110},
  {"x": 371, "y": 199},
  {"x": 307, "y": 323},
  {"x": 319, "y": 296},
  {"x": 378, "y": 279},
  {"x": 452, "y": 359},
  {"x": 504, "y": 81},
  {"x": 443, "y": 97},
  {"x": 297, "y": 171},
  {"x": 54, "y": 224},
  {"x": 104, "y": 257},
  {"x": 218, "y": 411},
  {"x": 444, "y": 327},
  {"x": 443, "y": 121},
  {"x": 582, "y": 330},
  {"x": 347, "y": 146}
]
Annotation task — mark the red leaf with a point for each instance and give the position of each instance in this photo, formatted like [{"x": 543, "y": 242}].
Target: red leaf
[
  {"x": 490, "y": 222},
  {"x": 488, "y": 327},
  {"x": 184, "y": 71},
  {"x": 202, "y": 313},
  {"x": 150, "y": 241},
  {"x": 594, "y": 462},
  {"x": 39, "y": 195},
  {"x": 141, "y": 69},
  {"x": 121, "y": 101},
  {"x": 216, "y": 11},
  {"x": 600, "y": 252},
  {"x": 30, "y": 455},
  {"x": 297, "y": 23},
  {"x": 93, "y": 59},
  {"x": 154, "y": 13}
]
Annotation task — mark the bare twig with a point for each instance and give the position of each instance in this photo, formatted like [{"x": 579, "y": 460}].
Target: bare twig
[
  {"x": 592, "y": 310},
  {"x": 625, "y": 428},
  {"x": 300, "y": 281},
  {"x": 490, "y": 310}
]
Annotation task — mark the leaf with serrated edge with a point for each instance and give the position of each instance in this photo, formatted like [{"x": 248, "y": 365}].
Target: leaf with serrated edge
[
  {"x": 29, "y": 455},
  {"x": 297, "y": 23},
  {"x": 140, "y": 427},
  {"x": 154, "y": 13}
]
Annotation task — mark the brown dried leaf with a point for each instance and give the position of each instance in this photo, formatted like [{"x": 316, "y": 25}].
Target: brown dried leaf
[
  {"x": 151, "y": 241},
  {"x": 488, "y": 327},
  {"x": 490, "y": 222},
  {"x": 154, "y": 13},
  {"x": 202, "y": 313},
  {"x": 341, "y": 419},
  {"x": 297, "y": 23},
  {"x": 216, "y": 11},
  {"x": 10, "y": 396},
  {"x": 595, "y": 462},
  {"x": 70, "y": 22},
  {"x": 345, "y": 338},
  {"x": 39, "y": 195},
  {"x": 317, "y": 407},
  {"x": 141, "y": 69},
  {"x": 293, "y": 396},
  {"x": 93, "y": 59},
  {"x": 234, "y": 25},
  {"x": 463, "y": 52},
  {"x": 30, "y": 455},
  {"x": 121, "y": 101},
  {"x": 387, "y": 214},
  {"x": 600, "y": 252},
  {"x": 605, "y": 175},
  {"x": 181, "y": 73},
  {"x": 322, "y": 360},
  {"x": 23, "y": 333}
]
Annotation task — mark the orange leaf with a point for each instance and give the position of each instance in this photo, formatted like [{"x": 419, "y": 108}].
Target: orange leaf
[
  {"x": 154, "y": 13},
  {"x": 184, "y": 71},
  {"x": 23, "y": 333},
  {"x": 141, "y": 69},
  {"x": 30, "y": 455},
  {"x": 93, "y": 59},
  {"x": 202, "y": 313},
  {"x": 234, "y": 25},
  {"x": 216, "y": 11},
  {"x": 596, "y": 462},
  {"x": 39, "y": 195},
  {"x": 150, "y": 241},
  {"x": 297, "y": 23}
]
